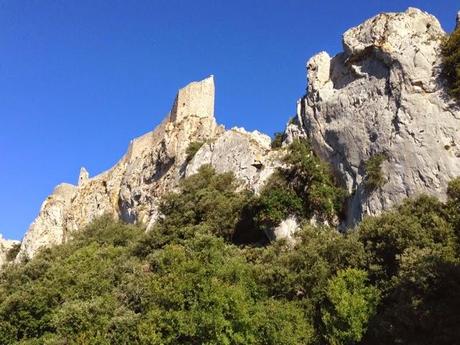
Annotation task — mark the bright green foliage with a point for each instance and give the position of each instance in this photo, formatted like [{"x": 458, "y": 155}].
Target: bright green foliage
[
  {"x": 277, "y": 141},
  {"x": 201, "y": 291},
  {"x": 351, "y": 302},
  {"x": 306, "y": 188},
  {"x": 192, "y": 149},
  {"x": 208, "y": 292},
  {"x": 66, "y": 292},
  {"x": 451, "y": 63},
  {"x": 418, "y": 223},
  {"x": 374, "y": 176}
]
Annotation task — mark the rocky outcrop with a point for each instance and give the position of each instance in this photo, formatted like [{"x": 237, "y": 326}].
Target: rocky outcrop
[
  {"x": 247, "y": 154},
  {"x": 384, "y": 94},
  {"x": 152, "y": 166},
  {"x": 5, "y": 247}
]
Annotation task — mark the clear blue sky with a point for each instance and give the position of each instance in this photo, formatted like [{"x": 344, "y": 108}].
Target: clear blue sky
[{"x": 80, "y": 78}]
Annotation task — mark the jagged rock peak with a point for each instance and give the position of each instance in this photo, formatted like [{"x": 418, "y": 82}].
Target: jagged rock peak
[
  {"x": 385, "y": 95},
  {"x": 197, "y": 98}
]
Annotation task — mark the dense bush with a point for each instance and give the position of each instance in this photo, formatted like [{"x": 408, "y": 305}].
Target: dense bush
[
  {"x": 277, "y": 141},
  {"x": 373, "y": 168},
  {"x": 451, "y": 63},
  {"x": 206, "y": 203},
  {"x": 192, "y": 149},
  {"x": 350, "y": 303},
  {"x": 304, "y": 188},
  {"x": 13, "y": 252},
  {"x": 394, "y": 279}
]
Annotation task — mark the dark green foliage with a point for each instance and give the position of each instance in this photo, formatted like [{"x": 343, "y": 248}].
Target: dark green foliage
[
  {"x": 412, "y": 256},
  {"x": 306, "y": 188},
  {"x": 416, "y": 224},
  {"x": 453, "y": 205},
  {"x": 13, "y": 251},
  {"x": 374, "y": 176},
  {"x": 192, "y": 149},
  {"x": 206, "y": 203},
  {"x": 277, "y": 201},
  {"x": 395, "y": 279},
  {"x": 451, "y": 63},
  {"x": 423, "y": 304},
  {"x": 301, "y": 271},
  {"x": 277, "y": 141}
]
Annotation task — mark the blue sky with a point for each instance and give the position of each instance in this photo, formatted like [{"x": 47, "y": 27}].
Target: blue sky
[{"x": 80, "y": 78}]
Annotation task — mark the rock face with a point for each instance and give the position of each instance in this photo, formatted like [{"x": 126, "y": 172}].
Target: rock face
[
  {"x": 152, "y": 166},
  {"x": 384, "y": 94},
  {"x": 247, "y": 154},
  {"x": 5, "y": 247}
]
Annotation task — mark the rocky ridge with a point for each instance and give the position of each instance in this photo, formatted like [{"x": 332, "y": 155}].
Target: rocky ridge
[{"x": 153, "y": 165}]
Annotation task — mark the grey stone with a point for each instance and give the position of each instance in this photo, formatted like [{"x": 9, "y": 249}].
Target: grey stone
[{"x": 384, "y": 94}]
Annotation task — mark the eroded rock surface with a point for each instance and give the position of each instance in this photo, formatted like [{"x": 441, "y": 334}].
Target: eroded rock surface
[
  {"x": 247, "y": 154},
  {"x": 384, "y": 94}
]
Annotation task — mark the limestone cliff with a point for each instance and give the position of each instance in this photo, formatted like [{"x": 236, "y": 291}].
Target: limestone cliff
[
  {"x": 153, "y": 165},
  {"x": 384, "y": 95}
]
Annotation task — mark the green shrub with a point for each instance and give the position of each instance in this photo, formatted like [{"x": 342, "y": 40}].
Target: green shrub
[
  {"x": 205, "y": 203},
  {"x": 192, "y": 149},
  {"x": 305, "y": 188},
  {"x": 276, "y": 202},
  {"x": 351, "y": 303},
  {"x": 451, "y": 63},
  {"x": 418, "y": 223},
  {"x": 373, "y": 168},
  {"x": 453, "y": 190},
  {"x": 453, "y": 205},
  {"x": 13, "y": 252},
  {"x": 277, "y": 141}
]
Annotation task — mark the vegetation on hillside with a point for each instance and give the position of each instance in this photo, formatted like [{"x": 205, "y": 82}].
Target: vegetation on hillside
[
  {"x": 451, "y": 63},
  {"x": 394, "y": 279},
  {"x": 305, "y": 188},
  {"x": 374, "y": 177},
  {"x": 277, "y": 141},
  {"x": 192, "y": 149}
]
